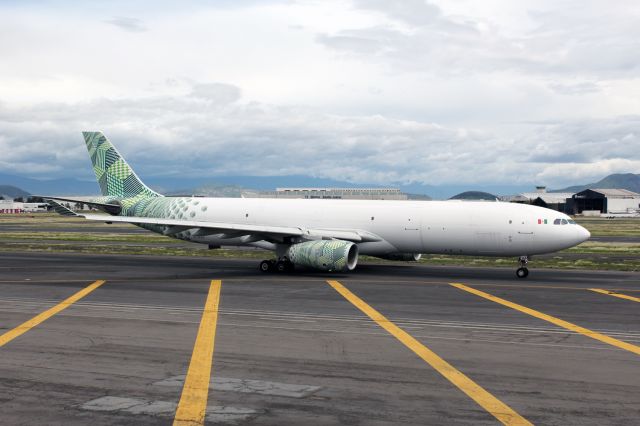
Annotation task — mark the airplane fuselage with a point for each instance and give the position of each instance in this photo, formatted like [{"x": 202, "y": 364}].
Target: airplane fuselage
[
  {"x": 325, "y": 234},
  {"x": 451, "y": 227}
]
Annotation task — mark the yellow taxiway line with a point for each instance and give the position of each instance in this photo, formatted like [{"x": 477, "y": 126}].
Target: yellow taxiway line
[
  {"x": 195, "y": 392},
  {"x": 614, "y": 294},
  {"x": 553, "y": 320},
  {"x": 38, "y": 319},
  {"x": 493, "y": 405}
]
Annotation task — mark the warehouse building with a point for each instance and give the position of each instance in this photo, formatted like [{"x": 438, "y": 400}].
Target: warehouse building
[
  {"x": 605, "y": 201},
  {"x": 10, "y": 206},
  {"x": 552, "y": 200},
  {"x": 332, "y": 193}
]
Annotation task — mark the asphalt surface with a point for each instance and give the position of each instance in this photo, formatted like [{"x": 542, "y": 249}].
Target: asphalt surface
[{"x": 291, "y": 350}]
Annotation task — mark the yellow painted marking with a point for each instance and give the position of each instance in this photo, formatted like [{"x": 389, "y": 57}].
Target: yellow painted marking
[
  {"x": 614, "y": 294},
  {"x": 193, "y": 402},
  {"x": 493, "y": 405},
  {"x": 28, "y": 325},
  {"x": 279, "y": 280},
  {"x": 553, "y": 320}
]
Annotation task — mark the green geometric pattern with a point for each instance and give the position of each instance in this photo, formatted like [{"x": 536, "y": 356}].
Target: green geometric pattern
[
  {"x": 120, "y": 185},
  {"x": 326, "y": 255},
  {"x": 119, "y": 170},
  {"x": 115, "y": 177},
  {"x": 180, "y": 208}
]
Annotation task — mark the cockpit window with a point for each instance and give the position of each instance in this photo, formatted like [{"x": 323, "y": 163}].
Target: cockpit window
[{"x": 560, "y": 221}]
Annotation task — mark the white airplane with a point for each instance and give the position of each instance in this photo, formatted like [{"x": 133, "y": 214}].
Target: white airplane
[{"x": 327, "y": 235}]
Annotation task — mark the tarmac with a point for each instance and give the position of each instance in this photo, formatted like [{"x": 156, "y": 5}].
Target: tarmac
[{"x": 386, "y": 344}]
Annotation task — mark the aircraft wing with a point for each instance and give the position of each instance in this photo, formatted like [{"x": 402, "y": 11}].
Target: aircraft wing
[{"x": 232, "y": 230}]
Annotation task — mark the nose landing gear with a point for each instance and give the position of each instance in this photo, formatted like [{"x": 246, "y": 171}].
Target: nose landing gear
[{"x": 522, "y": 271}]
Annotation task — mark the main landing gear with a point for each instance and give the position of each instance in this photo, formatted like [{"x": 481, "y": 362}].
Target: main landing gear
[
  {"x": 522, "y": 271},
  {"x": 271, "y": 265}
]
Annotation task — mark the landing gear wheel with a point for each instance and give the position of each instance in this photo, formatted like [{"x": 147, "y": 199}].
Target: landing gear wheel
[
  {"x": 266, "y": 266},
  {"x": 284, "y": 266},
  {"x": 522, "y": 271}
]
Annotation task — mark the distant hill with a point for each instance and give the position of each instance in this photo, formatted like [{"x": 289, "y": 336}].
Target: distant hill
[
  {"x": 627, "y": 181},
  {"x": 474, "y": 195},
  {"x": 10, "y": 191},
  {"x": 53, "y": 186},
  {"x": 191, "y": 185}
]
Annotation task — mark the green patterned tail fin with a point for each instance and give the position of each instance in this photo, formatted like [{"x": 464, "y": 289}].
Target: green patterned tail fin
[{"x": 115, "y": 177}]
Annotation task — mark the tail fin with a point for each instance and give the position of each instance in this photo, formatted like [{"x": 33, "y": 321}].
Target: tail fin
[{"x": 115, "y": 177}]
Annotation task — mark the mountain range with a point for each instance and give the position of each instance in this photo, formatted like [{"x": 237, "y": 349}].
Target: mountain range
[
  {"x": 628, "y": 181},
  {"x": 233, "y": 186},
  {"x": 10, "y": 192}
]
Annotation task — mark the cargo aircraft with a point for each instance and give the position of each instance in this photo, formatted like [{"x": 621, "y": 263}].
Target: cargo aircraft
[{"x": 323, "y": 234}]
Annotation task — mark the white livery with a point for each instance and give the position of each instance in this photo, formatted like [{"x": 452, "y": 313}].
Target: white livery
[{"x": 330, "y": 234}]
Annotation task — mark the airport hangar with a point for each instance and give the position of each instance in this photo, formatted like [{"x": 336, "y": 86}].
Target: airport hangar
[
  {"x": 592, "y": 202},
  {"x": 604, "y": 201}
]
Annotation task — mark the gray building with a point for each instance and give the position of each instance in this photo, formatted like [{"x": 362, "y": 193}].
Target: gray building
[
  {"x": 10, "y": 206},
  {"x": 331, "y": 193},
  {"x": 552, "y": 200},
  {"x": 605, "y": 201}
]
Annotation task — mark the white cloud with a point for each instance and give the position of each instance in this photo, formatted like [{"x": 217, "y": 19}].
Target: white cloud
[
  {"x": 372, "y": 91},
  {"x": 219, "y": 134},
  {"x": 127, "y": 24}
]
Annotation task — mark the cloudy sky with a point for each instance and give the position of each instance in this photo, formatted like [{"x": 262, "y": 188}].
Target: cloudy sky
[{"x": 367, "y": 91}]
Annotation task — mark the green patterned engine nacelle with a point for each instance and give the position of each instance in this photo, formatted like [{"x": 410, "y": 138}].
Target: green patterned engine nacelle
[{"x": 325, "y": 255}]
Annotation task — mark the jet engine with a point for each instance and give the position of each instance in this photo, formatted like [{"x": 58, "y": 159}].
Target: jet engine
[
  {"x": 325, "y": 255},
  {"x": 409, "y": 257}
]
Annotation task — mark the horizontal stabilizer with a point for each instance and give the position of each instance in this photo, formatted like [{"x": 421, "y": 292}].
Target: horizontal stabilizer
[
  {"x": 61, "y": 210},
  {"x": 110, "y": 208}
]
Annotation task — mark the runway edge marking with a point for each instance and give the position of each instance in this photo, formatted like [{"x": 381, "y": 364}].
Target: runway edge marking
[
  {"x": 192, "y": 407},
  {"x": 615, "y": 294},
  {"x": 553, "y": 320},
  {"x": 505, "y": 414},
  {"x": 43, "y": 316}
]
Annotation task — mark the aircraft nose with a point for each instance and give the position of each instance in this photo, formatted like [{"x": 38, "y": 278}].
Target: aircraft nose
[{"x": 583, "y": 233}]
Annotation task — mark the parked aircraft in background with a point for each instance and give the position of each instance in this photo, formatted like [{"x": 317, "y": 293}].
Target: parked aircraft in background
[{"x": 327, "y": 235}]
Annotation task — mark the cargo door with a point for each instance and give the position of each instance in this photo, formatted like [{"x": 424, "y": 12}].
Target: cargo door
[{"x": 489, "y": 242}]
